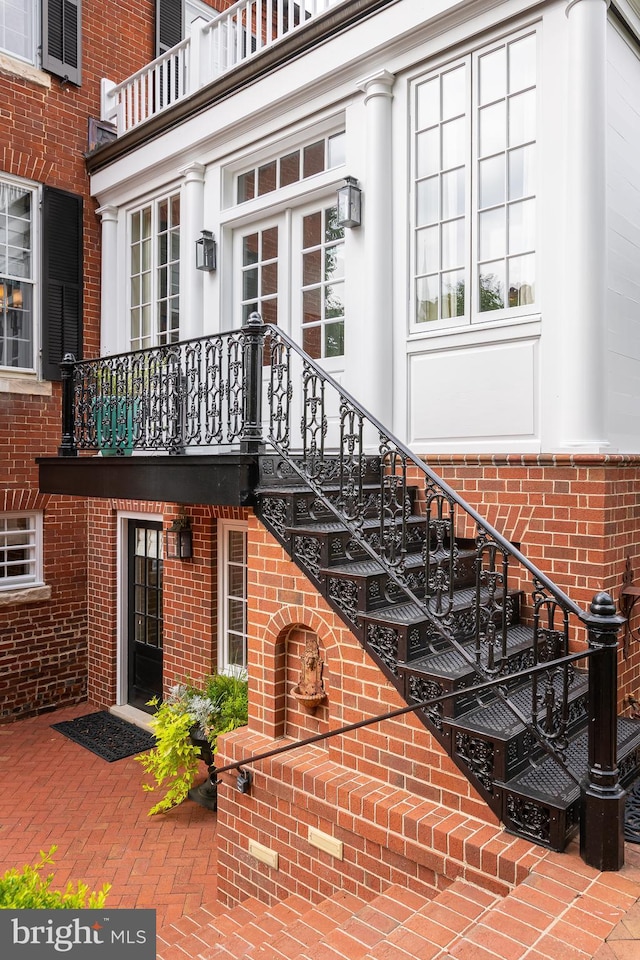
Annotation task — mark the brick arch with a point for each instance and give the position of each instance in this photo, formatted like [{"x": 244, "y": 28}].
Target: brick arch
[
  {"x": 19, "y": 501},
  {"x": 280, "y": 710}
]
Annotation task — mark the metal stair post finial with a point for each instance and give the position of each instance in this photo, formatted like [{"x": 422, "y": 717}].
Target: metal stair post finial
[
  {"x": 254, "y": 333},
  {"x": 603, "y": 799},
  {"x": 68, "y": 447}
]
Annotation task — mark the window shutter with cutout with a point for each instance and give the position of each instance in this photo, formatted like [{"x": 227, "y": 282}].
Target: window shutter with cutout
[
  {"x": 61, "y": 279},
  {"x": 62, "y": 38}
]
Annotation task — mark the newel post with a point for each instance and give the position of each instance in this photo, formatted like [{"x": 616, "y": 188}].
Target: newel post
[
  {"x": 251, "y": 439},
  {"x": 603, "y": 799},
  {"x": 68, "y": 447}
]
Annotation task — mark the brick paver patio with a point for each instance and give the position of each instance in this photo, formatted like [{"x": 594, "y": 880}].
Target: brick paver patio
[{"x": 53, "y": 791}]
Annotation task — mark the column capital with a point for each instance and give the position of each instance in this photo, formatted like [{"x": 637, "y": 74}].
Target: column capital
[
  {"x": 379, "y": 84},
  {"x": 574, "y": 3},
  {"x": 108, "y": 213},
  {"x": 193, "y": 172}
]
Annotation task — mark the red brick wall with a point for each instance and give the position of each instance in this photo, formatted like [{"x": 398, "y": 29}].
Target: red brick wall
[{"x": 43, "y": 138}]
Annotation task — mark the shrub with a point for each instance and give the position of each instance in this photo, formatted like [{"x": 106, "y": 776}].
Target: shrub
[
  {"x": 30, "y": 890},
  {"x": 219, "y": 706}
]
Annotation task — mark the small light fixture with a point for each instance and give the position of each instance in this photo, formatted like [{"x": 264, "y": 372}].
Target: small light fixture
[
  {"x": 179, "y": 538},
  {"x": 206, "y": 251},
  {"x": 349, "y": 203}
]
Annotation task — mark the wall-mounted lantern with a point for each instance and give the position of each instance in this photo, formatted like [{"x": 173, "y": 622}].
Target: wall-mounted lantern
[
  {"x": 349, "y": 203},
  {"x": 179, "y": 539},
  {"x": 206, "y": 251}
]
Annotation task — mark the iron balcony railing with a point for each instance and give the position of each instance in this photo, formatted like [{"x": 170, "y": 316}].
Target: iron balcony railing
[
  {"x": 238, "y": 34},
  {"x": 211, "y": 392}
]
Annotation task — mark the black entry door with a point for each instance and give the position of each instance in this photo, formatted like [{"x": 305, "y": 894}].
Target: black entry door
[{"x": 145, "y": 613}]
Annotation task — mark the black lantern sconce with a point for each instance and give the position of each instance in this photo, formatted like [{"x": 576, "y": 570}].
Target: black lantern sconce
[
  {"x": 179, "y": 539},
  {"x": 206, "y": 251},
  {"x": 349, "y": 203}
]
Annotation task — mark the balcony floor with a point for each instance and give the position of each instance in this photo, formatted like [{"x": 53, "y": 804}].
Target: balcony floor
[{"x": 221, "y": 480}]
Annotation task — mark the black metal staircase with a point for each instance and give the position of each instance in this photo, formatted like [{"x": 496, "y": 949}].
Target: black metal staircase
[{"x": 522, "y": 682}]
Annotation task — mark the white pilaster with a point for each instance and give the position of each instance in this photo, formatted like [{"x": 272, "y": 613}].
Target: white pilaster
[
  {"x": 109, "y": 286},
  {"x": 191, "y": 280},
  {"x": 375, "y": 349},
  {"x": 585, "y": 325}
]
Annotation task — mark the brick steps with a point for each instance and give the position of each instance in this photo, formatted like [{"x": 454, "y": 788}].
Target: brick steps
[{"x": 343, "y": 927}]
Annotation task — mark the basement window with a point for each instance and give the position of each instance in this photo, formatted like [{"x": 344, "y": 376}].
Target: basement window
[{"x": 20, "y": 550}]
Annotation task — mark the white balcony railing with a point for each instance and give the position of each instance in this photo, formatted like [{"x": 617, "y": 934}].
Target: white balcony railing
[{"x": 214, "y": 47}]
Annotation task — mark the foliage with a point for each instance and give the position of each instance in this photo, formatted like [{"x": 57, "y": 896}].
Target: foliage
[
  {"x": 220, "y": 706},
  {"x": 30, "y": 890}
]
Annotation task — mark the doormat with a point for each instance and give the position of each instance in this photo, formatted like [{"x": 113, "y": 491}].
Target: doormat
[
  {"x": 632, "y": 814},
  {"x": 107, "y": 736}
]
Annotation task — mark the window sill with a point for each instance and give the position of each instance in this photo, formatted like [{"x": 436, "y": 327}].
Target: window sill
[
  {"x": 24, "y": 384},
  {"x": 25, "y": 595},
  {"x": 26, "y": 71}
]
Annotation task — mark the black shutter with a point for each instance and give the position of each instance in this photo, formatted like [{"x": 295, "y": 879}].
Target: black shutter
[
  {"x": 61, "y": 279},
  {"x": 169, "y": 25},
  {"x": 62, "y": 38}
]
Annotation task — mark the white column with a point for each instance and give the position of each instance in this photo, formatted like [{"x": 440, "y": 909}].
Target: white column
[
  {"x": 191, "y": 224},
  {"x": 375, "y": 354},
  {"x": 108, "y": 281},
  {"x": 584, "y": 349}
]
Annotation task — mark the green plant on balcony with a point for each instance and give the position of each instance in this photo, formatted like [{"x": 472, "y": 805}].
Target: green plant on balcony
[
  {"x": 188, "y": 715},
  {"x": 28, "y": 889}
]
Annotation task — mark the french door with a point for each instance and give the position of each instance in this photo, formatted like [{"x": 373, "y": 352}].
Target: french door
[{"x": 144, "y": 620}]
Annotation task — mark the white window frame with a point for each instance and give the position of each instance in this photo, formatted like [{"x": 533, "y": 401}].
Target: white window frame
[
  {"x": 32, "y": 42},
  {"x": 33, "y": 544},
  {"x": 32, "y": 281},
  {"x": 472, "y": 316},
  {"x": 155, "y": 336},
  {"x": 225, "y": 527}
]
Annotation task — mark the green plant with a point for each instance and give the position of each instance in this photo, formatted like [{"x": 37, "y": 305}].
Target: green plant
[
  {"x": 219, "y": 706},
  {"x": 29, "y": 889}
]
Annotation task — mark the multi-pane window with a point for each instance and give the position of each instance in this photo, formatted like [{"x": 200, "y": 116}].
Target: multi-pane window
[
  {"x": 291, "y": 167},
  {"x": 233, "y": 593},
  {"x": 474, "y": 160},
  {"x": 155, "y": 273},
  {"x": 18, "y": 28},
  {"x": 20, "y": 550},
  {"x": 323, "y": 284},
  {"x": 16, "y": 275},
  {"x": 260, "y": 274}
]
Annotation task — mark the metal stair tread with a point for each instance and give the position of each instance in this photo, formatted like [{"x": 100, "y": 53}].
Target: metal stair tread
[
  {"x": 499, "y": 721},
  {"x": 549, "y": 782},
  {"x": 370, "y": 524},
  {"x": 362, "y": 568},
  {"x": 448, "y": 663}
]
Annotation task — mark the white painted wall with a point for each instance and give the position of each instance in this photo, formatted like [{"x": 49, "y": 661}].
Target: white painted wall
[
  {"x": 494, "y": 386},
  {"x": 623, "y": 240}
]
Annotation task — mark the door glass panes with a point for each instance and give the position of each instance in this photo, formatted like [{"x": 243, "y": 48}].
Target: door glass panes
[
  {"x": 16, "y": 276},
  {"x": 260, "y": 274},
  {"x": 506, "y": 194},
  {"x": 441, "y": 152},
  {"x": 234, "y": 618},
  {"x": 154, "y": 274},
  {"x": 147, "y": 586},
  {"x": 323, "y": 284}
]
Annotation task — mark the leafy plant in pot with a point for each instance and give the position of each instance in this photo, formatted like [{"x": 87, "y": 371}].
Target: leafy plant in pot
[{"x": 187, "y": 725}]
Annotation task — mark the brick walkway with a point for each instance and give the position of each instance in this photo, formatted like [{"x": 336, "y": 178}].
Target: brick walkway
[{"x": 53, "y": 791}]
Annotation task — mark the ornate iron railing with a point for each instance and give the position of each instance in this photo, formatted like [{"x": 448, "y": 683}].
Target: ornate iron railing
[{"x": 210, "y": 392}]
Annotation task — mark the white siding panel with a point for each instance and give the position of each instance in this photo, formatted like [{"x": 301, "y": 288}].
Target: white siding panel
[
  {"x": 479, "y": 394},
  {"x": 623, "y": 241}
]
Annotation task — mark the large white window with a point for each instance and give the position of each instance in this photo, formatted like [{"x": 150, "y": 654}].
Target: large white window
[
  {"x": 232, "y": 609},
  {"x": 18, "y": 28},
  {"x": 20, "y": 550},
  {"x": 474, "y": 164},
  {"x": 17, "y": 205},
  {"x": 154, "y": 269}
]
